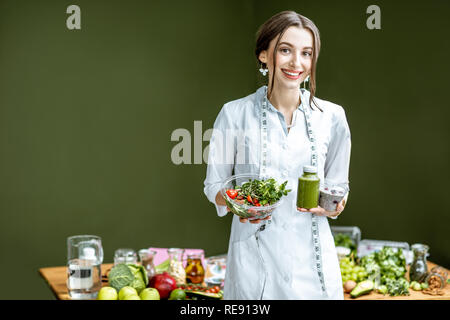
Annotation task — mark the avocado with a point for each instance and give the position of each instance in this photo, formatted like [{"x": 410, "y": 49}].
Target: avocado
[{"x": 361, "y": 288}]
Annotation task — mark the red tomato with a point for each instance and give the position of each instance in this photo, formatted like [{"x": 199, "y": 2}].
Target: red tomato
[
  {"x": 258, "y": 204},
  {"x": 232, "y": 193},
  {"x": 255, "y": 201}
]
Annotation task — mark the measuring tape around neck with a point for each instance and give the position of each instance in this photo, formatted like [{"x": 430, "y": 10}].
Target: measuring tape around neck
[{"x": 314, "y": 158}]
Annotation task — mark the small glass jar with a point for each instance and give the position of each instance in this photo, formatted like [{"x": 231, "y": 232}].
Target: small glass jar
[
  {"x": 195, "y": 273},
  {"x": 418, "y": 270},
  {"x": 176, "y": 268},
  {"x": 125, "y": 255},
  {"x": 440, "y": 270},
  {"x": 146, "y": 257}
]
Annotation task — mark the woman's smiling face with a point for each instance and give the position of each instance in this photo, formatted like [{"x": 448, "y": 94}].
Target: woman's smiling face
[{"x": 293, "y": 58}]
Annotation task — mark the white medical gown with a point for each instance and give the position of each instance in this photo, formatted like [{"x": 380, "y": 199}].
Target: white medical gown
[{"x": 278, "y": 262}]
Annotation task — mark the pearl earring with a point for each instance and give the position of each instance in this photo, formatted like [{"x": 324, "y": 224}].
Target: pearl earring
[{"x": 263, "y": 70}]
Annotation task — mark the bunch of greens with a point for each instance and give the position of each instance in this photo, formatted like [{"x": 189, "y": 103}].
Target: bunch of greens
[
  {"x": 264, "y": 191},
  {"x": 387, "y": 268},
  {"x": 132, "y": 275}
]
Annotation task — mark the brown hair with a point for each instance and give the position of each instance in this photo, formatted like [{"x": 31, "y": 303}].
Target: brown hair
[{"x": 276, "y": 26}]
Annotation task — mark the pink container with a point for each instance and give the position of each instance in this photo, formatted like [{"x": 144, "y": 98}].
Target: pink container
[{"x": 162, "y": 255}]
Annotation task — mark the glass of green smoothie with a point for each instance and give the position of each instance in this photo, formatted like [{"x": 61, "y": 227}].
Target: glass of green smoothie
[{"x": 331, "y": 194}]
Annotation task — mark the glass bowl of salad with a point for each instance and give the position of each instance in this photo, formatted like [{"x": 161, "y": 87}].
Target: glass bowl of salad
[{"x": 251, "y": 197}]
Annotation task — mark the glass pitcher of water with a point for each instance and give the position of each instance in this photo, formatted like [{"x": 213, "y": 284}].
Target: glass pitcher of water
[{"x": 84, "y": 259}]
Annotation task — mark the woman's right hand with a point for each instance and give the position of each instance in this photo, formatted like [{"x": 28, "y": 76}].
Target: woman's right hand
[
  {"x": 254, "y": 221},
  {"x": 221, "y": 202}
]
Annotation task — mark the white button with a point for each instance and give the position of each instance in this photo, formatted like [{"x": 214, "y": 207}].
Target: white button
[
  {"x": 285, "y": 173},
  {"x": 285, "y": 146},
  {"x": 286, "y": 278}
]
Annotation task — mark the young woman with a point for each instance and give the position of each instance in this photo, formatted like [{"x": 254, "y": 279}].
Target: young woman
[{"x": 290, "y": 255}]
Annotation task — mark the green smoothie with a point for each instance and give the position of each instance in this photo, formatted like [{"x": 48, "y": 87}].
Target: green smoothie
[{"x": 308, "y": 188}]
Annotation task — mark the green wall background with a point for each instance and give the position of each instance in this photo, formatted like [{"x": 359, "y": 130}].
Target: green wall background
[{"x": 86, "y": 118}]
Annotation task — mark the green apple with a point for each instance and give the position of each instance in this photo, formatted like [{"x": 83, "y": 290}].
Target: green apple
[
  {"x": 149, "y": 294},
  {"x": 131, "y": 297},
  {"x": 126, "y": 291},
  {"x": 107, "y": 293}
]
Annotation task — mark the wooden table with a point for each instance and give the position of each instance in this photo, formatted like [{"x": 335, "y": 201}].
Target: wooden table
[
  {"x": 413, "y": 295},
  {"x": 56, "y": 278}
]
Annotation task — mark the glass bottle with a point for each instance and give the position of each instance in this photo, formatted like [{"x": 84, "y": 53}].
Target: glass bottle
[
  {"x": 308, "y": 188},
  {"x": 146, "y": 256},
  {"x": 176, "y": 268},
  {"x": 195, "y": 273},
  {"x": 418, "y": 270}
]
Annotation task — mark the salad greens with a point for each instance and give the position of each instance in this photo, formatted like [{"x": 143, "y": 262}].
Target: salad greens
[
  {"x": 387, "y": 267},
  {"x": 264, "y": 192},
  {"x": 255, "y": 193}
]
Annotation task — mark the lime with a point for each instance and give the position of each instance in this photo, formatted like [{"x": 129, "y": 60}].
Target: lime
[
  {"x": 126, "y": 291},
  {"x": 177, "y": 294},
  {"x": 107, "y": 293}
]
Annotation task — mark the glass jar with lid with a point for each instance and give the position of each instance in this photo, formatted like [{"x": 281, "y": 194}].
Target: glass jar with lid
[
  {"x": 125, "y": 255},
  {"x": 418, "y": 270},
  {"x": 176, "y": 268},
  {"x": 146, "y": 257},
  {"x": 195, "y": 273}
]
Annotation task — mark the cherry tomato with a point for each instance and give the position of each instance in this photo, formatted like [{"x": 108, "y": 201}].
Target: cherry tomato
[
  {"x": 258, "y": 204},
  {"x": 255, "y": 201},
  {"x": 232, "y": 193}
]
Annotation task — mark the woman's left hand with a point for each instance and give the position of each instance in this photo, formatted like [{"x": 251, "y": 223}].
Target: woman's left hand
[{"x": 319, "y": 211}]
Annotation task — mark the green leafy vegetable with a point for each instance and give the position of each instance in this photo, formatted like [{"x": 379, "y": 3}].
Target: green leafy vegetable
[
  {"x": 387, "y": 267},
  {"x": 264, "y": 191},
  {"x": 122, "y": 275}
]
